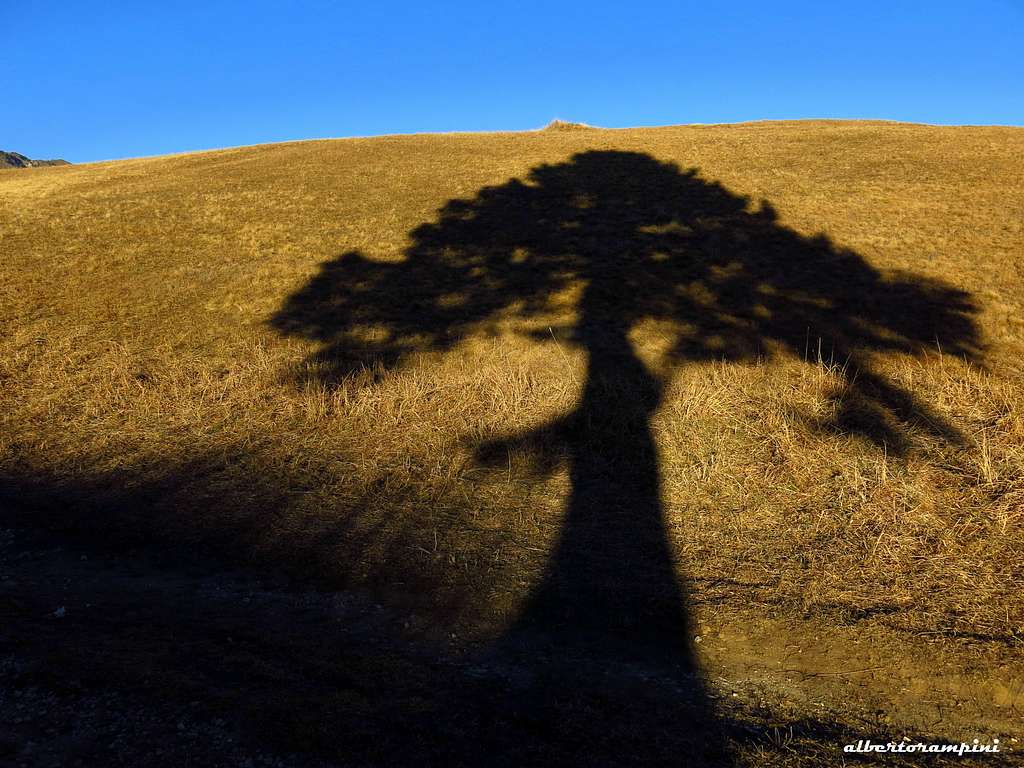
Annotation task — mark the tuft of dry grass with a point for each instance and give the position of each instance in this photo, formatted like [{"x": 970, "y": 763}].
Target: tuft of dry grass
[
  {"x": 565, "y": 125},
  {"x": 146, "y": 392}
]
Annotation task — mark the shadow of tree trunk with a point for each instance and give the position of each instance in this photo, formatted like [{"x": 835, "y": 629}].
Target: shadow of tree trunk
[{"x": 644, "y": 240}]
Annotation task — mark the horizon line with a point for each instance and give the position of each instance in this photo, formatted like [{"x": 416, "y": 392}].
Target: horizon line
[{"x": 541, "y": 129}]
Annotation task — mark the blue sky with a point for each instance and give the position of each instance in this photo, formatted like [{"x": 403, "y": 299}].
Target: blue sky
[{"x": 98, "y": 80}]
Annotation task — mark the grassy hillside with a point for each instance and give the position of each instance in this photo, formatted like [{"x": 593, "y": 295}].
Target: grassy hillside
[{"x": 783, "y": 357}]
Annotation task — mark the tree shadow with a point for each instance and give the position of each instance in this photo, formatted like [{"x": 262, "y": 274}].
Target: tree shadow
[{"x": 638, "y": 240}]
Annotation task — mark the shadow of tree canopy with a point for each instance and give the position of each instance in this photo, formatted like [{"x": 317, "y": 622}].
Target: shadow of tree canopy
[
  {"x": 641, "y": 240},
  {"x": 649, "y": 242}
]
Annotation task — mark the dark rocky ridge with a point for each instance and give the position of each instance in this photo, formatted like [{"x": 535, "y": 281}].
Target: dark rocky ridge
[{"x": 16, "y": 160}]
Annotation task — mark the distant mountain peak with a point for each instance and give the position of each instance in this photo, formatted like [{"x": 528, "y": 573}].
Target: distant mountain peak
[{"x": 17, "y": 160}]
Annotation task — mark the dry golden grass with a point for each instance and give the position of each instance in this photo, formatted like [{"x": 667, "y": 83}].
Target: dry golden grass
[{"x": 147, "y": 393}]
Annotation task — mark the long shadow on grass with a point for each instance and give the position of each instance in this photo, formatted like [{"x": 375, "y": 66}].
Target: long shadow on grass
[{"x": 640, "y": 240}]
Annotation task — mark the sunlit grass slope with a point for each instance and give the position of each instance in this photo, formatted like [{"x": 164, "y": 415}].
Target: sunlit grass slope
[{"x": 149, "y": 390}]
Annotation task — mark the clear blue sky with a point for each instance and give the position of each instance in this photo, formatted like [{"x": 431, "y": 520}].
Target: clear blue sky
[{"x": 96, "y": 80}]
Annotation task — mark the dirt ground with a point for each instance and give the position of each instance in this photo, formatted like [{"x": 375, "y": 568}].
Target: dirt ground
[{"x": 130, "y": 657}]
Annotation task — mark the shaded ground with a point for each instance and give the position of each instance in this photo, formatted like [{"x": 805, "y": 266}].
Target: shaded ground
[{"x": 138, "y": 658}]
